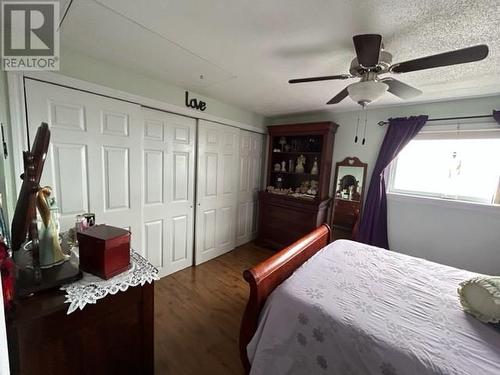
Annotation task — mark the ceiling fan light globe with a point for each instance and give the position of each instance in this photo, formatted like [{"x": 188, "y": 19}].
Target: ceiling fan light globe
[{"x": 366, "y": 91}]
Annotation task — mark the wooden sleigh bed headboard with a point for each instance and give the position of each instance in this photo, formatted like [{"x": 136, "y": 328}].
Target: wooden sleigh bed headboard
[{"x": 266, "y": 276}]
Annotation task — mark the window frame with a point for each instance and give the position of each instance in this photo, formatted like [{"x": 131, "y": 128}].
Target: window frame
[{"x": 445, "y": 130}]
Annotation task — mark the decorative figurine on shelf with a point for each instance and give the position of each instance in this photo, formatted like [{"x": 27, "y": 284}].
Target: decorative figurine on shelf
[
  {"x": 300, "y": 164},
  {"x": 279, "y": 182},
  {"x": 314, "y": 169},
  {"x": 314, "y": 188},
  {"x": 282, "y": 143},
  {"x": 304, "y": 187},
  {"x": 283, "y": 166},
  {"x": 307, "y": 189},
  {"x": 277, "y": 167},
  {"x": 48, "y": 230}
]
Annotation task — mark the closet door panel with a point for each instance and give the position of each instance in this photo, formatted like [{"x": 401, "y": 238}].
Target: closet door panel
[
  {"x": 116, "y": 166},
  {"x": 251, "y": 148},
  {"x": 242, "y": 230},
  {"x": 93, "y": 155},
  {"x": 71, "y": 177},
  {"x": 216, "y": 190},
  {"x": 153, "y": 240},
  {"x": 180, "y": 226},
  {"x": 153, "y": 177},
  {"x": 181, "y": 170},
  {"x": 168, "y": 179}
]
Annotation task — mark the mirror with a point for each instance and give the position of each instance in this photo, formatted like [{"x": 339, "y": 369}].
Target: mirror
[{"x": 350, "y": 181}]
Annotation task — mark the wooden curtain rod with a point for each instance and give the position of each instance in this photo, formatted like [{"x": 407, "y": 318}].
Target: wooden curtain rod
[{"x": 382, "y": 123}]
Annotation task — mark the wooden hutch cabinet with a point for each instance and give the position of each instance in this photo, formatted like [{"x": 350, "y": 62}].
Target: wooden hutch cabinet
[{"x": 298, "y": 181}]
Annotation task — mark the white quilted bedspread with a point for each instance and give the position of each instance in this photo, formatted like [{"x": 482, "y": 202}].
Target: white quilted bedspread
[{"x": 357, "y": 309}]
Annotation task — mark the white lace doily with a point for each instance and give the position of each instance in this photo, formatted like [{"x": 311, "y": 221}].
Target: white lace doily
[{"x": 91, "y": 288}]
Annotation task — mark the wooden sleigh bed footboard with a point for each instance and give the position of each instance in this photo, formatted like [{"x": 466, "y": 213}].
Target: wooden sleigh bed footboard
[{"x": 266, "y": 276}]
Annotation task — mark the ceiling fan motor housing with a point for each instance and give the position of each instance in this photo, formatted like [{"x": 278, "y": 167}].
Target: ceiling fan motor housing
[{"x": 384, "y": 62}]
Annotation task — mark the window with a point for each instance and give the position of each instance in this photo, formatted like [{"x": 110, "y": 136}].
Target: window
[{"x": 461, "y": 165}]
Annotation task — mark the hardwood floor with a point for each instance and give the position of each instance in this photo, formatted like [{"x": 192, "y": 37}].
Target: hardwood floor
[{"x": 198, "y": 312}]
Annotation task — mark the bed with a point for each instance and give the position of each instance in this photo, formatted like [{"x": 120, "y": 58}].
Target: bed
[{"x": 349, "y": 308}]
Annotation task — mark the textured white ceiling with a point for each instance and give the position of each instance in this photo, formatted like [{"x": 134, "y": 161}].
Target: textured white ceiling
[{"x": 247, "y": 50}]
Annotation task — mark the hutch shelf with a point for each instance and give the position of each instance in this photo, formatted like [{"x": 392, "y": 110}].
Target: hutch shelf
[{"x": 298, "y": 180}]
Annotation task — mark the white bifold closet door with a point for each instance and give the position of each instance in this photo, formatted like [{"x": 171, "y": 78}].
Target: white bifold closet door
[
  {"x": 217, "y": 192},
  {"x": 249, "y": 183},
  {"x": 94, "y": 160},
  {"x": 134, "y": 168},
  {"x": 168, "y": 186}
]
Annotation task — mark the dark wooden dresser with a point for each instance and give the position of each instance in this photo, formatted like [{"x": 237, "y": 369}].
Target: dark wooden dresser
[
  {"x": 345, "y": 213},
  {"x": 113, "y": 336},
  {"x": 284, "y": 218}
]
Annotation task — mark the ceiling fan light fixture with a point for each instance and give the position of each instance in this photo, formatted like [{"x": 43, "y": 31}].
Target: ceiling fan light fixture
[{"x": 365, "y": 92}]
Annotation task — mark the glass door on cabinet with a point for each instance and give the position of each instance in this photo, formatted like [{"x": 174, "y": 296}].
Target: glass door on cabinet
[{"x": 295, "y": 162}]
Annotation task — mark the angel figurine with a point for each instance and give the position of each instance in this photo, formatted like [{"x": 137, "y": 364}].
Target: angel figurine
[
  {"x": 50, "y": 250},
  {"x": 301, "y": 160}
]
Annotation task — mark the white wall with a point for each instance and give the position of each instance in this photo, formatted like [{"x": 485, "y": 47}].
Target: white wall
[
  {"x": 459, "y": 237},
  {"x": 76, "y": 65}
]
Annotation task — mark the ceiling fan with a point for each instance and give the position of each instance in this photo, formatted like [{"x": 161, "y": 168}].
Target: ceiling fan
[{"x": 372, "y": 60}]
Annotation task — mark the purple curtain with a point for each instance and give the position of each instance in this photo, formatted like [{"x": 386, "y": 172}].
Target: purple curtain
[
  {"x": 496, "y": 116},
  {"x": 373, "y": 226}
]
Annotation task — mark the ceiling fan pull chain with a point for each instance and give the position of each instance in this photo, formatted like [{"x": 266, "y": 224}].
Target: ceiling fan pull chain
[
  {"x": 357, "y": 126},
  {"x": 364, "y": 132}
]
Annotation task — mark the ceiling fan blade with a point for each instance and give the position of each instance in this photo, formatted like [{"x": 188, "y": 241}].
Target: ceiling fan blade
[
  {"x": 460, "y": 56},
  {"x": 323, "y": 78},
  {"x": 367, "y": 49},
  {"x": 401, "y": 89},
  {"x": 339, "y": 97}
]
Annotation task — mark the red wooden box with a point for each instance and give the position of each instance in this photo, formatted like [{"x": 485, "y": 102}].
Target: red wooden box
[{"x": 104, "y": 250}]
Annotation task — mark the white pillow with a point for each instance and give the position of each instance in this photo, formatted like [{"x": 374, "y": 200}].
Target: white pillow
[{"x": 480, "y": 297}]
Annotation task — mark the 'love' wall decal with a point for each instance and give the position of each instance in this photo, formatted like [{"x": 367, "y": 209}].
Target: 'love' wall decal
[{"x": 195, "y": 103}]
